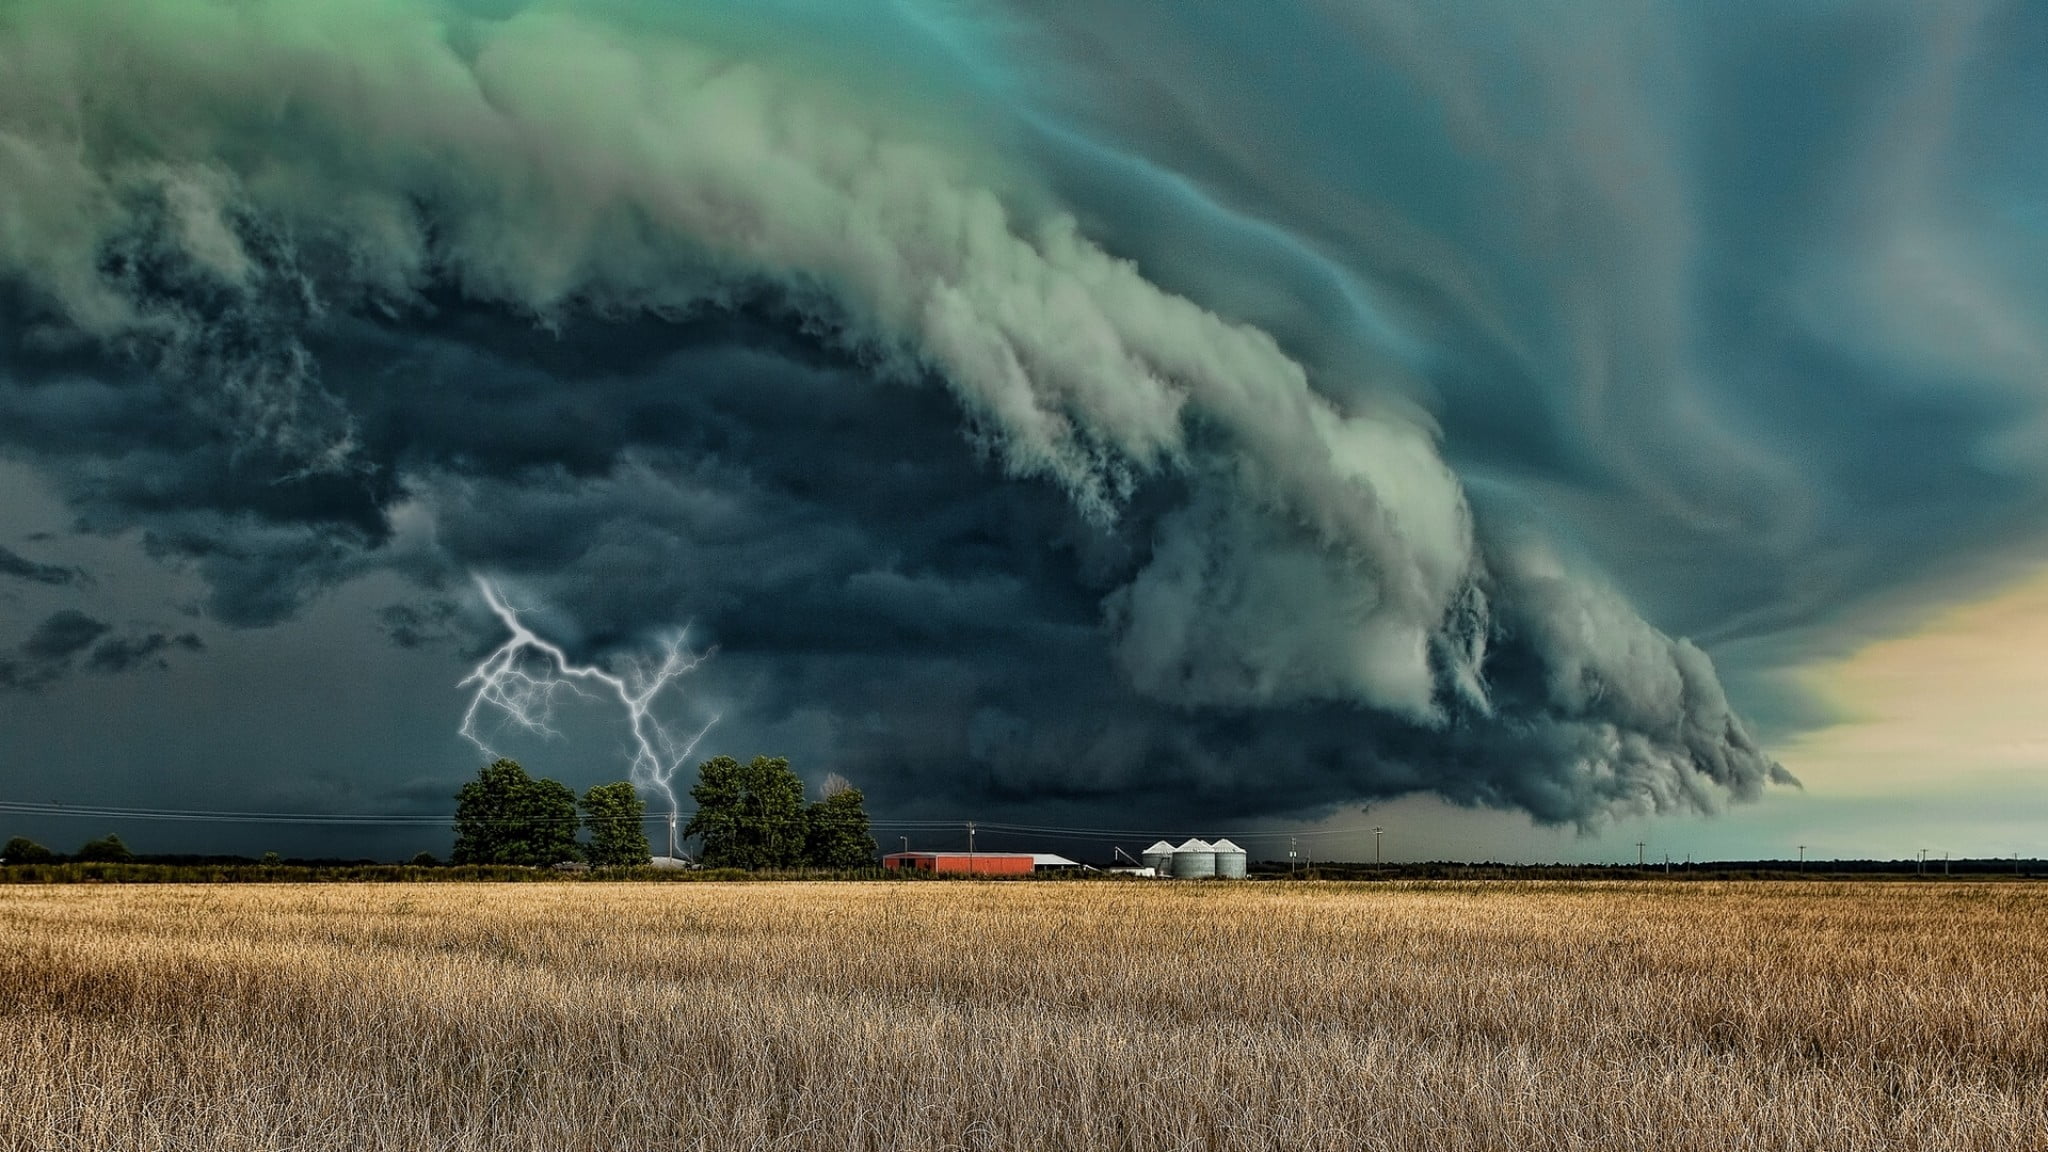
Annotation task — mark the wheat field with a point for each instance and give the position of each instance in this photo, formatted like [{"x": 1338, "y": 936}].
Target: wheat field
[{"x": 1024, "y": 1016}]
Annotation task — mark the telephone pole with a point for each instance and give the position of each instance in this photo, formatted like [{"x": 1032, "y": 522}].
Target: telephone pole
[
  {"x": 1376, "y": 846},
  {"x": 1639, "y": 853},
  {"x": 970, "y": 837},
  {"x": 1802, "y": 857}
]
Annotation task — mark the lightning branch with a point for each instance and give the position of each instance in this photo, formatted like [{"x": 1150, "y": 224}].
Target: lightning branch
[{"x": 524, "y": 677}]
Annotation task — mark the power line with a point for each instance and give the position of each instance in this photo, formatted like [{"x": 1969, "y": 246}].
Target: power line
[
  {"x": 1110, "y": 833},
  {"x": 399, "y": 820},
  {"x": 112, "y": 812},
  {"x": 333, "y": 819}
]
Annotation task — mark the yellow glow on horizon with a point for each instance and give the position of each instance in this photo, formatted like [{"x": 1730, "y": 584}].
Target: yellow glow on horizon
[{"x": 1964, "y": 698}]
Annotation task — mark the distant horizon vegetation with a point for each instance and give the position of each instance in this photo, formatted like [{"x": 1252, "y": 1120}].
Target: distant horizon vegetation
[
  {"x": 108, "y": 860},
  {"x": 752, "y": 821},
  {"x": 749, "y": 817}
]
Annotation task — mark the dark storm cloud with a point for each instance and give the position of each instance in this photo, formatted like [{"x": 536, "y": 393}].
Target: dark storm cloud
[
  {"x": 122, "y": 654},
  {"x": 46, "y": 655},
  {"x": 61, "y": 636},
  {"x": 51, "y": 651},
  {"x": 1109, "y": 421},
  {"x": 418, "y": 625},
  {"x": 1744, "y": 298},
  {"x": 954, "y": 620},
  {"x": 21, "y": 568}
]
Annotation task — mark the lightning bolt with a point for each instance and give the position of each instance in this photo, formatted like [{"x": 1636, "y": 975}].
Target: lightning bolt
[{"x": 526, "y": 674}]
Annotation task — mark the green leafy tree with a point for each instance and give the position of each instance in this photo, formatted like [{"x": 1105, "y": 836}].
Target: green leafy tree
[
  {"x": 505, "y": 816},
  {"x": 22, "y": 850},
  {"x": 750, "y": 815},
  {"x": 107, "y": 849},
  {"x": 836, "y": 831},
  {"x": 613, "y": 813}
]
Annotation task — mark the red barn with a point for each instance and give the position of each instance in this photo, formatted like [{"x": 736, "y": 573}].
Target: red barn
[{"x": 972, "y": 863}]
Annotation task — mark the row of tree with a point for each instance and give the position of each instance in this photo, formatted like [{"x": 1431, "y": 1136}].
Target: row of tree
[
  {"x": 753, "y": 815},
  {"x": 749, "y": 815},
  {"x": 505, "y": 816},
  {"x": 22, "y": 850}
]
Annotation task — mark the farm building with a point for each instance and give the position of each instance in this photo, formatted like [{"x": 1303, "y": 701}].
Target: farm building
[
  {"x": 1196, "y": 859},
  {"x": 980, "y": 863},
  {"x": 1159, "y": 858}
]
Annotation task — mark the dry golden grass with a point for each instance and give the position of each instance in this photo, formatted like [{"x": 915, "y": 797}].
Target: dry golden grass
[{"x": 1025, "y": 1016}]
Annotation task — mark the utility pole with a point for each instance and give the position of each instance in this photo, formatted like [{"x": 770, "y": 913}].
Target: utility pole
[
  {"x": 1376, "y": 846},
  {"x": 1802, "y": 857},
  {"x": 1639, "y": 853},
  {"x": 970, "y": 837},
  {"x": 1922, "y": 870},
  {"x": 1294, "y": 856},
  {"x": 1667, "y": 863},
  {"x": 1944, "y": 865}
]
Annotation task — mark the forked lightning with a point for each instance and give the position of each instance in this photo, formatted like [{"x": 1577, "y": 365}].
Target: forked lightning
[{"x": 523, "y": 677}]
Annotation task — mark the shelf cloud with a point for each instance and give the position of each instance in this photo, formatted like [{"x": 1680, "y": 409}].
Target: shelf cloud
[{"x": 1057, "y": 414}]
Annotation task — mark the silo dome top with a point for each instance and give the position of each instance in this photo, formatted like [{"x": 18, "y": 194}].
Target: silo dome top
[
  {"x": 1162, "y": 846},
  {"x": 1196, "y": 846},
  {"x": 1225, "y": 846}
]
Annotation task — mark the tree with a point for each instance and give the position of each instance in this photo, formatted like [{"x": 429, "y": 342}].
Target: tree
[
  {"x": 613, "y": 813},
  {"x": 750, "y": 815},
  {"x": 836, "y": 828},
  {"x": 107, "y": 849},
  {"x": 22, "y": 850},
  {"x": 505, "y": 816}
]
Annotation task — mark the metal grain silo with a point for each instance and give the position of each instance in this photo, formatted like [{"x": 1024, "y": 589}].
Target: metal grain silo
[
  {"x": 1159, "y": 858},
  {"x": 1194, "y": 860},
  {"x": 1230, "y": 860}
]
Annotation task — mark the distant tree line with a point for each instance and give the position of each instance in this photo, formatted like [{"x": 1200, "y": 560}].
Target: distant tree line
[
  {"x": 749, "y": 816},
  {"x": 107, "y": 849}
]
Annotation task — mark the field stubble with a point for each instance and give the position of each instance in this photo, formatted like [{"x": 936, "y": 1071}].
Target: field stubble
[{"x": 1025, "y": 1016}]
